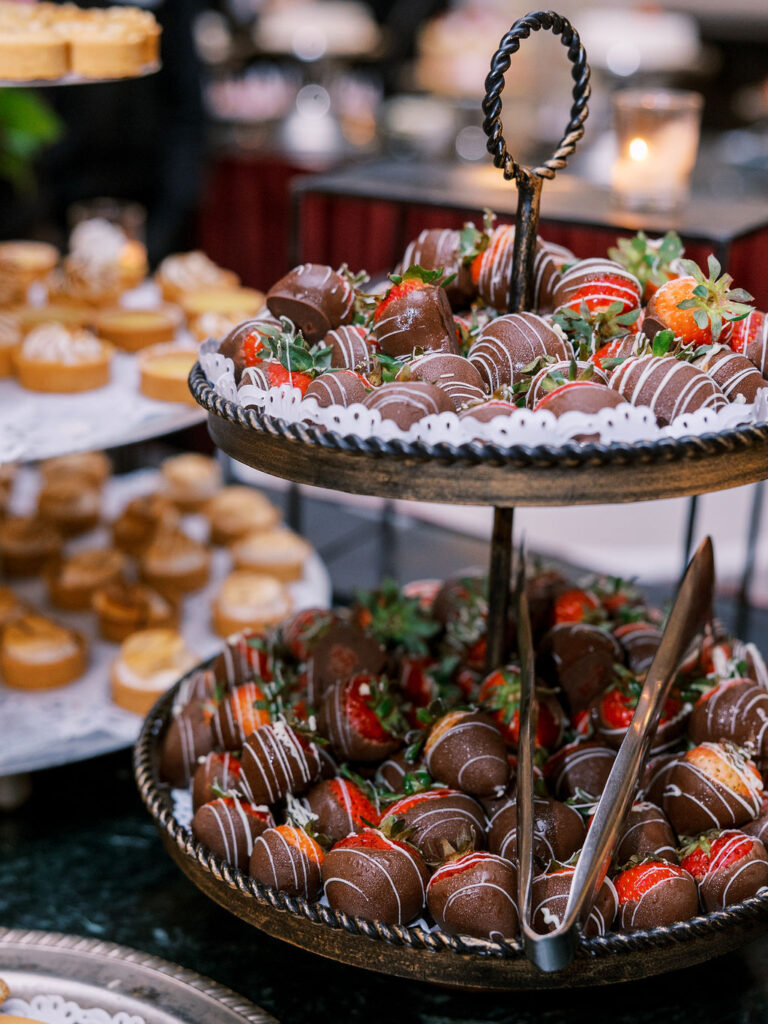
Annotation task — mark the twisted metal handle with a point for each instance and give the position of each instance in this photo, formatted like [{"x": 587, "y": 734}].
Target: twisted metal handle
[{"x": 494, "y": 84}]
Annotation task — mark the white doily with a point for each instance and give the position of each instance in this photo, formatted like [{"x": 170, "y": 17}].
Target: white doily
[
  {"x": 52, "y": 1009},
  {"x": 625, "y": 423}
]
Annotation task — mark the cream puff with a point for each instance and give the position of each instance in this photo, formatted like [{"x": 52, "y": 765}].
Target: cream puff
[
  {"x": 249, "y": 600},
  {"x": 149, "y": 663},
  {"x": 185, "y": 272}
]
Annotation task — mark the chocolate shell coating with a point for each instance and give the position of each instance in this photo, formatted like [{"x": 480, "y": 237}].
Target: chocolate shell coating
[
  {"x": 276, "y": 761},
  {"x": 735, "y": 711},
  {"x": 351, "y": 349},
  {"x": 392, "y": 771},
  {"x": 349, "y": 745},
  {"x": 225, "y": 827},
  {"x": 188, "y": 738},
  {"x": 232, "y": 720},
  {"x": 199, "y": 685},
  {"x": 216, "y": 769},
  {"x": 439, "y": 249},
  {"x": 759, "y": 827},
  {"x": 386, "y": 884},
  {"x": 342, "y": 652},
  {"x": 549, "y": 898},
  {"x": 334, "y": 802},
  {"x": 653, "y": 781},
  {"x": 422, "y": 319},
  {"x": 475, "y": 895},
  {"x": 408, "y": 402},
  {"x": 238, "y": 662},
  {"x": 672, "y": 898},
  {"x": 639, "y": 641},
  {"x": 283, "y": 864},
  {"x": 734, "y": 373},
  {"x": 558, "y": 831},
  {"x": 646, "y": 832},
  {"x": 439, "y": 817},
  {"x": 465, "y": 750},
  {"x": 580, "y": 396},
  {"x": 340, "y": 388},
  {"x": 313, "y": 297},
  {"x": 232, "y": 344},
  {"x": 453, "y": 374},
  {"x": 695, "y": 801},
  {"x": 625, "y": 290},
  {"x": 584, "y": 371},
  {"x": 579, "y": 766},
  {"x": 579, "y": 658},
  {"x": 668, "y": 386},
  {"x": 509, "y": 343},
  {"x": 725, "y": 884}
]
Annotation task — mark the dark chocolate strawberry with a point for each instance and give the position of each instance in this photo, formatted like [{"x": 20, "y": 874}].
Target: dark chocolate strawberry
[
  {"x": 639, "y": 640},
  {"x": 438, "y": 820},
  {"x": 581, "y": 766},
  {"x": 361, "y": 718},
  {"x": 277, "y": 760},
  {"x": 216, "y": 772},
  {"x": 315, "y": 298},
  {"x": 340, "y": 807},
  {"x": 301, "y": 631},
  {"x": 475, "y": 894},
  {"x": 714, "y": 785},
  {"x": 558, "y": 831},
  {"x": 653, "y": 894},
  {"x": 373, "y": 876},
  {"x": 243, "y": 659},
  {"x": 728, "y": 867},
  {"x": 735, "y": 710},
  {"x": 613, "y": 711},
  {"x": 188, "y": 738},
  {"x": 466, "y": 751},
  {"x": 289, "y": 859},
  {"x": 549, "y": 898},
  {"x": 228, "y": 826},
  {"x": 415, "y": 314},
  {"x": 579, "y": 659},
  {"x": 500, "y": 696},
  {"x": 238, "y": 714},
  {"x": 646, "y": 833},
  {"x": 343, "y": 651}
]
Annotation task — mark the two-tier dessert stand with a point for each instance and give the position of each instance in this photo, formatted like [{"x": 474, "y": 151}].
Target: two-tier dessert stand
[{"x": 482, "y": 474}]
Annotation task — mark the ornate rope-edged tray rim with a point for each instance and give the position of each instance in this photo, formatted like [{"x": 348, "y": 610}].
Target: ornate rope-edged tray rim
[
  {"x": 414, "y": 937},
  {"x": 99, "y": 949},
  {"x": 571, "y": 455}
]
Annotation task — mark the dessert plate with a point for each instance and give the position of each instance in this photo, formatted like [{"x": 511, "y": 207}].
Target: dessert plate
[
  {"x": 64, "y": 979},
  {"x": 72, "y": 79},
  {"x": 41, "y": 729},
  {"x": 415, "y": 951}
]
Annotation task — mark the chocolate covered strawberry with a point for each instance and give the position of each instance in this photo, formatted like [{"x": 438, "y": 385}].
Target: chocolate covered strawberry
[
  {"x": 362, "y": 719},
  {"x": 461, "y": 606},
  {"x": 341, "y": 806},
  {"x": 598, "y": 284},
  {"x": 188, "y": 738},
  {"x": 245, "y": 658},
  {"x": 374, "y": 876},
  {"x": 639, "y": 640},
  {"x": 549, "y": 898},
  {"x": 500, "y": 696},
  {"x": 315, "y": 298},
  {"x": 289, "y": 859},
  {"x": 714, "y": 785},
  {"x": 582, "y": 766},
  {"x": 215, "y": 772},
  {"x": 342, "y": 651},
  {"x": 415, "y": 314},
  {"x": 475, "y": 894},
  {"x": 465, "y": 750},
  {"x": 728, "y": 867},
  {"x": 576, "y": 605},
  {"x": 579, "y": 658},
  {"x": 277, "y": 760},
  {"x": 438, "y": 820},
  {"x": 655, "y": 893},
  {"x": 398, "y": 622},
  {"x": 238, "y": 714},
  {"x": 646, "y": 833},
  {"x": 613, "y": 711},
  {"x": 735, "y": 710},
  {"x": 228, "y": 826},
  {"x": 558, "y": 831},
  {"x": 301, "y": 631},
  {"x": 699, "y": 309}
]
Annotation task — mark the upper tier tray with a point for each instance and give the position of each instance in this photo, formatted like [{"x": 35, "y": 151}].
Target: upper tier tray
[
  {"x": 485, "y": 474},
  {"x": 73, "y": 79}
]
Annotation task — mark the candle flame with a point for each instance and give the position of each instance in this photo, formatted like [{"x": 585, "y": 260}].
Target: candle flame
[{"x": 638, "y": 149}]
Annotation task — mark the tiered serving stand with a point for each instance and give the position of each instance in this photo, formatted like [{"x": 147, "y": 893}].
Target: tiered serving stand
[{"x": 481, "y": 474}]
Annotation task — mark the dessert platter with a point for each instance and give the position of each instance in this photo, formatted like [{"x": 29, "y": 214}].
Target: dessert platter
[
  {"x": 116, "y": 587},
  {"x": 64, "y": 979},
  {"x": 319, "y": 754}
]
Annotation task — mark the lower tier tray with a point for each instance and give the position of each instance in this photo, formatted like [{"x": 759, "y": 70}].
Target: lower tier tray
[{"x": 413, "y": 951}]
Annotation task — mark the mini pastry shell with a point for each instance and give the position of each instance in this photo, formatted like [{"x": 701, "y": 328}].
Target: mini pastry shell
[
  {"x": 72, "y": 584},
  {"x": 175, "y": 564},
  {"x": 280, "y": 553},
  {"x": 123, "y": 608},
  {"x": 249, "y": 600},
  {"x": 136, "y": 329},
  {"x": 163, "y": 372},
  {"x": 236, "y": 511},
  {"x": 149, "y": 662},
  {"x": 39, "y": 654},
  {"x": 140, "y": 520},
  {"x": 190, "y": 480}
]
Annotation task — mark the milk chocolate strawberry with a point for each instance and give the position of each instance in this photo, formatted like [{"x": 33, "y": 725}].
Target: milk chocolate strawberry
[
  {"x": 277, "y": 760},
  {"x": 558, "y": 831},
  {"x": 238, "y": 714},
  {"x": 315, "y": 298},
  {"x": 554, "y": 375},
  {"x": 466, "y": 751},
  {"x": 415, "y": 314},
  {"x": 646, "y": 833},
  {"x": 500, "y": 696},
  {"x": 245, "y": 344},
  {"x": 374, "y": 876},
  {"x": 598, "y": 284},
  {"x": 714, "y": 785},
  {"x": 475, "y": 894},
  {"x": 549, "y": 898},
  {"x": 461, "y": 606},
  {"x": 653, "y": 781},
  {"x": 639, "y": 640},
  {"x": 699, "y": 309},
  {"x": 340, "y": 807},
  {"x": 759, "y": 827},
  {"x": 728, "y": 867},
  {"x": 581, "y": 766},
  {"x": 188, "y": 738},
  {"x": 289, "y": 859},
  {"x": 651, "y": 260},
  {"x": 578, "y": 658},
  {"x": 393, "y": 770},
  {"x": 351, "y": 347},
  {"x": 508, "y": 345},
  {"x": 228, "y": 826},
  {"x": 655, "y": 893},
  {"x": 613, "y": 711},
  {"x": 440, "y": 819},
  {"x": 216, "y": 772},
  {"x": 735, "y": 710},
  {"x": 361, "y": 718},
  {"x": 448, "y": 251},
  {"x": 342, "y": 651}
]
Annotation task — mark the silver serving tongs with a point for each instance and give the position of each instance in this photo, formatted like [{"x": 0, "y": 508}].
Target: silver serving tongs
[{"x": 691, "y": 609}]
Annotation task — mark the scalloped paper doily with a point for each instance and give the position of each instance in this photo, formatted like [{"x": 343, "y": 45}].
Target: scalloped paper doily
[
  {"x": 625, "y": 423},
  {"x": 53, "y": 1009}
]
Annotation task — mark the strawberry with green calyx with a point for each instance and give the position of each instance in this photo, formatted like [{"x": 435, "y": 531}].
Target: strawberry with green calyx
[
  {"x": 474, "y": 241},
  {"x": 301, "y": 630},
  {"x": 654, "y": 893},
  {"x": 558, "y": 373},
  {"x": 589, "y": 330},
  {"x": 385, "y": 369},
  {"x": 613, "y": 710},
  {"x": 615, "y": 352},
  {"x": 342, "y": 805},
  {"x": 649, "y": 259},
  {"x": 500, "y": 695},
  {"x": 728, "y": 867},
  {"x": 461, "y": 606},
  {"x": 438, "y": 817},
  {"x": 700, "y": 309},
  {"x": 398, "y": 622},
  {"x": 583, "y": 802},
  {"x": 362, "y": 718}
]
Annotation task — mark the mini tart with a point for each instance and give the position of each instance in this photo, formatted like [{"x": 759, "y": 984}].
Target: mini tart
[
  {"x": 27, "y": 545},
  {"x": 149, "y": 662},
  {"x": 10, "y": 339},
  {"x": 124, "y": 608},
  {"x": 184, "y": 272},
  {"x": 27, "y": 261},
  {"x": 175, "y": 564},
  {"x": 72, "y": 316},
  {"x": 70, "y": 503},
  {"x": 164, "y": 370},
  {"x": 140, "y": 520},
  {"x": 7, "y": 478},
  {"x": 242, "y": 302},
  {"x": 53, "y": 359},
  {"x": 71, "y": 584},
  {"x": 280, "y": 553},
  {"x": 32, "y": 54},
  {"x": 135, "y": 329},
  {"x": 92, "y": 467},
  {"x": 249, "y": 600},
  {"x": 190, "y": 480},
  {"x": 237, "y": 511},
  {"x": 11, "y": 607},
  {"x": 107, "y": 51},
  {"x": 39, "y": 654}
]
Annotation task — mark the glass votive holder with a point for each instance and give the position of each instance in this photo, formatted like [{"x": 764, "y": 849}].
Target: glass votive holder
[{"x": 657, "y": 134}]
